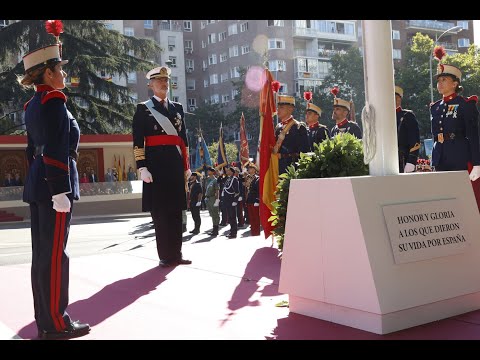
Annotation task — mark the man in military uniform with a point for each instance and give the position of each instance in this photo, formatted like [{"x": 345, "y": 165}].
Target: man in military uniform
[
  {"x": 161, "y": 152},
  {"x": 341, "y": 109},
  {"x": 316, "y": 132},
  {"x": 290, "y": 134},
  {"x": 253, "y": 200},
  {"x": 195, "y": 198},
  {"x": 212, "y": 199},
  {"x": 408, "y": 135},
  {"x": 230, "y": 194}
]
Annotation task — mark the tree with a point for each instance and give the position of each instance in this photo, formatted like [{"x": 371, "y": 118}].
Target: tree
[
  {"x": 208, "y": 117},
  {"x": 95, "y": 55},
  {"x": 231, "y": 149}
]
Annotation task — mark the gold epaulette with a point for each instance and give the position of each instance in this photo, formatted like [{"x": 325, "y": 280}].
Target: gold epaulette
[{"x": 139, "y": 153}]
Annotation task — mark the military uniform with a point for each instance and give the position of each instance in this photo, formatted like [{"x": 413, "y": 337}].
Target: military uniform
[
  {"x": 230, "y": 194},
  {"x": 316, "y": 133},
  {"x": 211, "y": 192},
  {"x": 195, "y": 190},
  {"x": 253, "y": 197},
  {"x": 408, "y": 137},
  {"x": 346, "y": 126},
  {"x": 455, "y": 132},
  {"x": 166, "y": 158},
  {"x": 53, "y": 136}
]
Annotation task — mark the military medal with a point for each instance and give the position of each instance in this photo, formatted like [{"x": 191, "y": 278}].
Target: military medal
[{"x": 440, "y": 138}]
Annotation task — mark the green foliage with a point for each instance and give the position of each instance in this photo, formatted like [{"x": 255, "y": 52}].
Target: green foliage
[
  {"x": 337, "y": 157},
  {"x": 231, "y": 149},
  {"x": 91, "y": 49}
]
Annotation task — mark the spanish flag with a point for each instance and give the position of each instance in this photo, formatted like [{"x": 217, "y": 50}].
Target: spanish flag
[{"x": 268, "y": 161}]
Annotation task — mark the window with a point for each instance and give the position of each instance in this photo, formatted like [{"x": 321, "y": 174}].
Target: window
[
  {"x": 210, "y": 22},
  {"x": 223, "y": 57},
  {"x": 232, "y": 29},
  {"x": 174, "y": 82},
  {"x": 222, "y": 36},
  {"x": 323, "y": 67},
  {"x": 212, "y": 38},
  {"x": 192, "y": 102},
  {"x": 129, "y": 31},
  {"x": 205, "y": 83},
  {"x": 283, "y": 88},
  {"x": 214, "y": 99},
  {"x": 204, "y": 44},
  {"x": 235, "y": 93},
  {"x": 244, "y": 26},
  {"x": 176, "y": 98},
  {"x": 171, "y": 41},
  {"x": 223, "y": 77},
  {"x": 189, "y": 64},
  {"x": 109, "y": 26},
  {"x": 190, "y": 84},
  {"x": 188, "y": 45},
  {"x": 463, "y": 42},
  {"x": 202, "y": 25},
  {"x": 187, "y": 25},
  {"x": 214, "y": 79},
  {"x": 277, "y": 65},
  {"x": 212, "y": 59},
  {"x": 148, "y": 24},
  {"x": 204, "y": 66},
  {"x": 463, "y": 24},
  {"x": 397, "y": 54},
  {"x": 276, "y": 44},
  {"x": 233, "y": 51},
  {"x": 132, "y": 77},
  {"x": 134, "y": 96},
  {"x": 225, "y": 99},
  {"x": 173, "y": 59},
  {"x": 235, "y": 72},
  {"x": 245, "y": 49},
  {"x": 395, "y": 35},
  {"x": 275, "y": 23},
  {"x": 236, "y": 136}
]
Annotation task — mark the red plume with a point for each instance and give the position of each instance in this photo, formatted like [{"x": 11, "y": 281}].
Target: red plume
[
  {"x": 276, "y": 86},
  {"x": 54, "y": 27},
  {"x": 335, "y": 91},
  {"x": 439, "y": 52},
  {"x": 307, "y": 95}
]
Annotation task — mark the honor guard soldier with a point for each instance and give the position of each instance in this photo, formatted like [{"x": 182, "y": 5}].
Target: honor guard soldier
[
  {"x": 291, "y": 135},
  {"x": 253, "y": 199},
  {"x": 408, "y": 135},
  {"x": 455, "y": 125},
  {"x": 195, "y": 198},
  {"x": 51, "y": 186},
  {"x": 316, "y": 132},
  {"x": 341, "y": 109},
  {"x": 212, "y": 199},
  {"x": 230, "y": 193},
  {"x": 160, "y": 148}
]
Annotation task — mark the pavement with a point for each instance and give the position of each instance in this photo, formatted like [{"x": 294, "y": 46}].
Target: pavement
[{"x": 229, "y": 292}]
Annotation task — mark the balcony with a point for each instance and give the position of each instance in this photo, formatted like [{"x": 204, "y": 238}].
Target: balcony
[
  {"x": 308, "y": 75},
  {"x": 308, "y": 33},
  {"x": 170, "y": 26},
  {"x": 433, "y": 25}
]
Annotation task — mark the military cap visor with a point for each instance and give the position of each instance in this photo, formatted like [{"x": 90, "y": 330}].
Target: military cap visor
[{"x": 159, "y": 72}]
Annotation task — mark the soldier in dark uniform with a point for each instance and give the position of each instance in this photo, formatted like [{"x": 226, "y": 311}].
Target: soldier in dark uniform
[
  {"x": 316, "y": 132},
  {"x": 51, "y": 186},
  {"x": 341, "y": 109},
  {"x": 160, "y": 147},
  {"x": 253, "y": 200},
  {"x": 408, "y": 135},
  {"x": 455, "y": 127},
  {"x": 196, "y": 192},
  {"x": 231, "y": 193},
  {"x": 290, "y": 134}
]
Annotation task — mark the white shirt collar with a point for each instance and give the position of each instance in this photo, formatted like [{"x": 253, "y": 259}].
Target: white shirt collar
[{"x": 158, "y": 99}]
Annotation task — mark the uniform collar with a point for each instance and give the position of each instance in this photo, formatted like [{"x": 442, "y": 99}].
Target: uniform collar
[
  {"x": 449, "y": 97},
  {"x": 43, "y": 87},
  {"x": 399, "y": 109},
  {"x": 313, "y": 126},
  {"x": 165, "y": 103},
  {"x": 286, "y": 121},
  {"x": 343, "y": 122}
]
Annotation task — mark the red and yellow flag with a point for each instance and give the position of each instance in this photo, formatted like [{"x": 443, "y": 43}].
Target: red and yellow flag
[
  {"x": 244, "y": 151},
  {"x": 268, "y": 162}
]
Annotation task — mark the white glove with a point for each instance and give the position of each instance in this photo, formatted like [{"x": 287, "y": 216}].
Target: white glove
[
  {"x": 475, "y": 174},
  {"x": 61, "y": 203},
  {"x": 256, "y": 204},
  {"x": 145, "y": 175},
  {"x": 216, "y": 203},
  {"x": 198, "y": 203},
  {"x": 240, "y": 198},
  {"x": 234, "y": 204},
  {"x": 409, "y": 167},
  {"x": 188, "y": 173}
]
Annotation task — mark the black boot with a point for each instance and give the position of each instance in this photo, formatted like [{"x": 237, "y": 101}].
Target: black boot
[{"x": 214, "y": 232}]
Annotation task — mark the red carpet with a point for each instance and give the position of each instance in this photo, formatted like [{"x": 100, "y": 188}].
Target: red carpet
[{"x": 6, "y": 216}]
